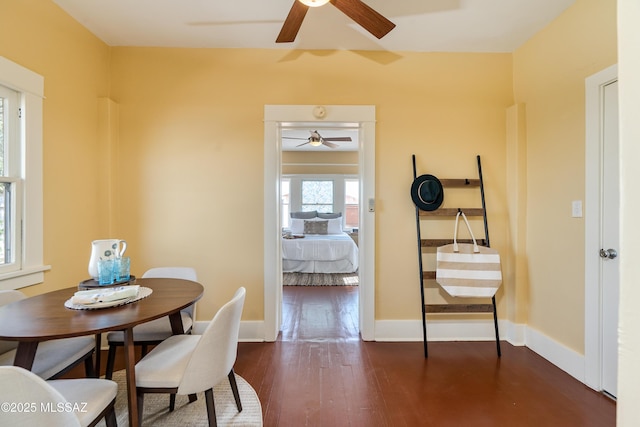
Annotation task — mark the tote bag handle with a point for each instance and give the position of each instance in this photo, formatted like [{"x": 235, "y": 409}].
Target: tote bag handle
[{"x": 455, "y": 233}]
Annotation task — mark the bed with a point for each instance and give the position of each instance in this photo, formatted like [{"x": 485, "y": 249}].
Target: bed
[{"x": 320, "y": 248}]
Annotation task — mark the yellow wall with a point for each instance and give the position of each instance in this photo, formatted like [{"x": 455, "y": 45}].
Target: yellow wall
[
  {"x": 549, "y": 78},
  {"x": 191, "y": 143},
  {"x": 75, "y": 64}
]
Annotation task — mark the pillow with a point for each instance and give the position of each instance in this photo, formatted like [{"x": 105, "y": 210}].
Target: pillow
[
  {"x": 325, "y": 215},
  {"x": 334, "y": 226},
  {"x": 297, "y": 226},
  {"x": 304, "y": 215},
  {"x": 315, "y": 227}
]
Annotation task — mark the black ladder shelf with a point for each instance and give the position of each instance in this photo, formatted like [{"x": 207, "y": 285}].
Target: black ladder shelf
[{"x": 434, "y": 243}]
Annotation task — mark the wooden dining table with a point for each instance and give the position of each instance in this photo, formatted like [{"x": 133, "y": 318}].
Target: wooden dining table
[{"x": 44, "y": 317}]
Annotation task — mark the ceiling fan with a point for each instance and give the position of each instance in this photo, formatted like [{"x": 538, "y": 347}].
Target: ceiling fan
[
  {"x": 317, "y": 140},
  {"x": 362, "y": 14}
]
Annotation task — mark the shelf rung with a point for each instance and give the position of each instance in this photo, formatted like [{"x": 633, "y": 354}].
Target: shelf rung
[
  {"x": 458, "y": 308},
  {"x": 434, "y": 243},
  {"x": 460, "y": 183},
  {"x": 453, "y": 212},
  {"x": 428, "y": 275}
]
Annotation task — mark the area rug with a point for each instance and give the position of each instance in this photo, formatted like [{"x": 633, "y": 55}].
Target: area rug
[
  {"x": 320, "y": 279},
  {"x": 156, "y": 407}
]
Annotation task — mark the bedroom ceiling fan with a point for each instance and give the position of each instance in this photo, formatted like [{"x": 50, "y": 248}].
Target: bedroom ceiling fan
[
  {"x": 317, "y": 140},
  {"x": 362, "y": 14}
]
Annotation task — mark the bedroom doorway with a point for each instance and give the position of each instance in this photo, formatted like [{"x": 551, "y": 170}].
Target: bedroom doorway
[
  {"x": 283, "y": 120},
  {"x": 319, "y": 205}
]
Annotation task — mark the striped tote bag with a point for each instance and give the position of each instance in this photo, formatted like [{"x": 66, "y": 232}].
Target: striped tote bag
[{"x": 468, "y": 270}]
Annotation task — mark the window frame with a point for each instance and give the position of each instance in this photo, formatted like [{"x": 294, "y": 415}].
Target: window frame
[
  {"x": 346, "y": 205},
  {"x": 30, "y": 88},
  {"x": 285, "y": 207},
  {"x": 11, "y": 180},
  {"x": 333, "y": 194}
]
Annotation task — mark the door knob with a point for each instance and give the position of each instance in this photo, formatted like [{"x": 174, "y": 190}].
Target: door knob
[{"x": 608, "y": 253}]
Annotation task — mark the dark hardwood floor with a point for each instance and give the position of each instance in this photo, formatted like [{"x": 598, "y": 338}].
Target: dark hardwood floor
[{"x": 319, "y": 373}]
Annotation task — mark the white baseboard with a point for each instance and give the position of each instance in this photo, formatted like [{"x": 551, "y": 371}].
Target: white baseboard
[
  {"x": 439, "y": 330},
  {"x": 482, "y": 330},
  {"x": 250, "y": 330},
  {"x": 563, "y": 357},
  {"x": 560, "y": 355}
]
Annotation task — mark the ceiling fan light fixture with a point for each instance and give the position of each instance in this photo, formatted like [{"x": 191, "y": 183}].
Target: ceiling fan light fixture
[
  {"x": 314, "y": 3},
  {"x": 315, "y": 142}
]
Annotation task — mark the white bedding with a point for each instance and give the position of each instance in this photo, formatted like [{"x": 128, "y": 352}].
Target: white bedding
[{"x": 320, "y": 253}]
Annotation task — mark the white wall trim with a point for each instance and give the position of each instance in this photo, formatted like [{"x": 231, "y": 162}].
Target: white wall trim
[
  {"x": 555, "y": 352},
  {"x": 30, "y": 86},
  {"x": 439, "y": 330},
  {"x": 561, "y": 356},
  {"x": 592, "y": 220},
  {"x": 274, "y": 117}
]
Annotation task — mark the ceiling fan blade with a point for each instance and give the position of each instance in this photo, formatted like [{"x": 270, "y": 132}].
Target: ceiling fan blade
[
  {"x": 304, "y": 143},
  {"x": 339, "y": 138},
  {"x": 329, "y": 144},
  {"x": 293, "y": 22},
  {"x": 365, "y": 16},
  {"x": 292, "y": 137}
]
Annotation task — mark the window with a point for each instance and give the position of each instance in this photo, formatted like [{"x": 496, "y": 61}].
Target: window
[
  {"x": 351, "y": 203},
  {"x": 9, "y": 176},
  {"x": 317, "y": 195},
  {"x": 285, "y": 201},
  {"x": 21, "y": 214}
]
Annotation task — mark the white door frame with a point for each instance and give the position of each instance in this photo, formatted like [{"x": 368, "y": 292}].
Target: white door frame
[
  {"x": 274, "y": 117},
  {"x": 594, "y": 87}
]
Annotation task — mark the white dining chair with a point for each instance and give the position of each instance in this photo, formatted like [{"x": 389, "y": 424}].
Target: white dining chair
[
  {"x": 53, "y": 358},
  {"x": 154, "y": 332},
  {"x": 189, "y": 364},
  {"x": 32, "y": 401}
]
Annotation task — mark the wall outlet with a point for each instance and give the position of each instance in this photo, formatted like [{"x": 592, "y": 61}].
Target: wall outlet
[{"x": 576, "y": 209}]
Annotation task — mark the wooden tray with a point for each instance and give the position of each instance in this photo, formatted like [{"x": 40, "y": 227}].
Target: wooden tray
[{"x": 93, "y": 284}]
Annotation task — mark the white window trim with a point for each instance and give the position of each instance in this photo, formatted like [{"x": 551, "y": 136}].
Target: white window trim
[{"x": 31, "y": 88}]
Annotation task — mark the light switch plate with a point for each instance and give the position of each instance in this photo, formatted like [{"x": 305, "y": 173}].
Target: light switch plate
[{"x": 576, "y": 209}]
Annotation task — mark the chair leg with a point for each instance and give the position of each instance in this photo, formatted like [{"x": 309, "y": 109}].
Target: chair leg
[
  {"x": 89, "y": 372},
  {"x": 172, "y": 402},
  {"x": 111, "y": 360},
  {"x": 110, "y": 418},
  {"x": 211, "y": 408},
  {"x": 234, "y": 389},
  {"x": 193, "y": 397},
  {"x": 98, "y": 354},
  {"x": 140, "y": 397}
]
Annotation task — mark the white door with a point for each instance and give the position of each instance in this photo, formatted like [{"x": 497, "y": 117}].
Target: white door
[{"x": 610, "y": 239}]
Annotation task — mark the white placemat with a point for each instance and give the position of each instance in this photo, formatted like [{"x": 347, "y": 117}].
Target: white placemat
[{"x": 142, "y": 293}]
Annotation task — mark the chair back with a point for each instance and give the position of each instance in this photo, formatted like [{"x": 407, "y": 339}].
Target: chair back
[
  {"x": 185, "y": 273},
  {"x": 26, "y": 388},
  {"x": 214, "y": 356},
  {"x": 7, "y": 297}
]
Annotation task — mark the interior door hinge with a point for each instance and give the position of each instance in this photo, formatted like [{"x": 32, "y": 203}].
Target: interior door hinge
[{"x": 20, "y": 112}]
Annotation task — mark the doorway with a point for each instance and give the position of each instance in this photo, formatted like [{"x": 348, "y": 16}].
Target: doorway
[
  {"x": 601, "y": 232},
  {"x": 276, "y": 117}
]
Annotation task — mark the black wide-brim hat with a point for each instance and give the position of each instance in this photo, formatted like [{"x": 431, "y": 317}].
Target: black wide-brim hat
[{"x": 427, "y": 192}]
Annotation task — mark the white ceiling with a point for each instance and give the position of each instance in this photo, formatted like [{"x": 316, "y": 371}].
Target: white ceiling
[{"x": 421, "y": 25}]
